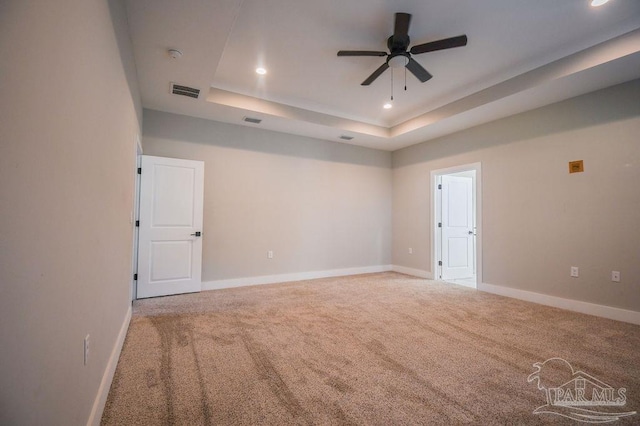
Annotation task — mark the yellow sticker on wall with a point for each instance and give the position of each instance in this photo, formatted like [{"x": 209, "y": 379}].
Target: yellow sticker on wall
[{"x": 576, "y": 166}]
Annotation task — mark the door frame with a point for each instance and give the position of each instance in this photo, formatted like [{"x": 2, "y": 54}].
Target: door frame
[
  {"x": 135, "y": 217},
  {"x": 435, "y": 208}
]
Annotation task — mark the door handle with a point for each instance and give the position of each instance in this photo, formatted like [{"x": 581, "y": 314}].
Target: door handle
[{"x": 196, "y": 234}]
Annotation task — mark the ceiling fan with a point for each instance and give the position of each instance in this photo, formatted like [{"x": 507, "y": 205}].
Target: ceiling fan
[{"x": 400, "y": 56}]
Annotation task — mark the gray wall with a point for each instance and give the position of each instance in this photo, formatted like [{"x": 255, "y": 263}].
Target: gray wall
[
  {"x": 318, "y": 205},
  {"x": 69, "y": 116},
  {"x": 538, "y": 220}
]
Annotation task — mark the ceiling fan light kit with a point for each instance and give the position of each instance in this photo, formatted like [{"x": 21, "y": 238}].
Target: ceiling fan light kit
[
  {"x": 399, "y": 53},
  {"x": 398, "y": 61}
]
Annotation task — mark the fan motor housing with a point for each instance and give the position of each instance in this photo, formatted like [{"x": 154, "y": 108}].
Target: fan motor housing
[{"x": 395, "y": 45}]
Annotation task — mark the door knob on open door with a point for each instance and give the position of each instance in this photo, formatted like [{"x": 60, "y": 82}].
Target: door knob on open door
[
  {"x": 470, "y": 233},
  {"x": 197, "y": 234}
]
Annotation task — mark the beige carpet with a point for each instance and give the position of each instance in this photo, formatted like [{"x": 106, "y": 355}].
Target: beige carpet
[{"x": 376, "y": 349}]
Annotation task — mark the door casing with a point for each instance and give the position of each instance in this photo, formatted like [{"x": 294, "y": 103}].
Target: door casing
[
  {"x": 435, "y": 215},
  {"x": 135, "y": 216}
]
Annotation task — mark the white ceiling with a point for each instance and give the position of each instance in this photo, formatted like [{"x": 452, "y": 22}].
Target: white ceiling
[{"x": 522, "y": 54}]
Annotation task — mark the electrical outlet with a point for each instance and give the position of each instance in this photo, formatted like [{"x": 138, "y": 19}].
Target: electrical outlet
[
  {"x": 574, "y": 271},
  {"x": 86, "y": 350},
  {"x": 410, "y": 250},
  {"x": 270, "y": 254},
  {"x": 615, "y": 276}
]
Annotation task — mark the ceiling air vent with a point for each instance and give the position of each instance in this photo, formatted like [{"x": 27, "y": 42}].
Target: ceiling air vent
[
  {"x": 178, "y": 89},
  {"x": 252, "y": 120},
  {"x": 346, "y": 138}
]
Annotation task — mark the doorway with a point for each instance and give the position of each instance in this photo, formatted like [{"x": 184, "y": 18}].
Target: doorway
[
  {"x": 456, "y": 241},
  {"x": 170, "y": 226}
]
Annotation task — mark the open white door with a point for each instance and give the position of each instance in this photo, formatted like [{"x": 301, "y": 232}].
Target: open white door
[
  {"x": 457, "y": 227},
  {"x": 170, "y": 244}
]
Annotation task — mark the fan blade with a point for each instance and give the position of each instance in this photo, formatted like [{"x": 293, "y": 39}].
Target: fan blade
[
  {"x": 446, "y": 43},
  {"x": 417, "y": 70},
  {"x": 375, "y": 74},
  {"x": 360, "y": 53},
  {"x": 401, "y": 29}
]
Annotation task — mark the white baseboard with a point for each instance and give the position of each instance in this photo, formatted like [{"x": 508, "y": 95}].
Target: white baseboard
[
  {"x": 107, "y": 378},
  {"x": 617, "y": 314},
  {"x": 298, "y": 276},
  {"x": 410, "y": 271}
]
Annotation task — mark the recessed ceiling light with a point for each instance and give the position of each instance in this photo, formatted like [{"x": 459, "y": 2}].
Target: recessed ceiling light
[
  {"x": 388, "y": 105},
  {"x": 596, "y": 3},
  {"x": 175, "y": 53},
  {"x": 261, "y": 71}
]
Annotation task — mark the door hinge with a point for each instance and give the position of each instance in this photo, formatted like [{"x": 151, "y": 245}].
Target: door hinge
[
  {"x": 439, "y": 262},
  {"x": 439, "y": 224},
  {"x": 439, "y": 186},
  {"x": 137, "y": 223},
  {"x": 135, "y": 277},
  {"x": 139, "y": 170}
]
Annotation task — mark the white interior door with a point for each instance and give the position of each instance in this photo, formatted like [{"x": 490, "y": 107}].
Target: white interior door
[
  {"x": 457, "y": 227},
  {"x": 170, "y": 244}
]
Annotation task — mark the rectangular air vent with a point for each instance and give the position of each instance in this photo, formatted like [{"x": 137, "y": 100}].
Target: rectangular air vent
[
  {"x": 252, "y": 120},
  {"x": 346, "y": 138},
  {"x": 178, "y": 89}
]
